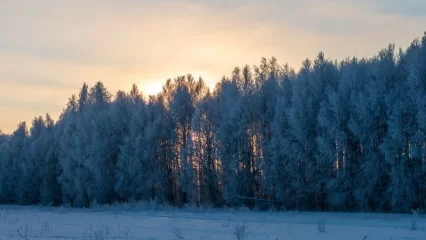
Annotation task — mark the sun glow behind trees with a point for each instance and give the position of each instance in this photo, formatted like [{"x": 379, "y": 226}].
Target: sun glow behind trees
[
  {"x": 333, "y": 136},
  {"x": 154, "y": 84},
  {"x": 125, "y": 42}
]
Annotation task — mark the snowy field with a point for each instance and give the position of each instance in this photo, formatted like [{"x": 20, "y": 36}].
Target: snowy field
[{"x": 17, "y": 222}]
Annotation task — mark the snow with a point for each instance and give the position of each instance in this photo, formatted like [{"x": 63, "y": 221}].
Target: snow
[{"x": 24, "y": 222}]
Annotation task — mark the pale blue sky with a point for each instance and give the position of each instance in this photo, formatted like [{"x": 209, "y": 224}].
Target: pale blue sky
[{"x": 49, "y": 48}]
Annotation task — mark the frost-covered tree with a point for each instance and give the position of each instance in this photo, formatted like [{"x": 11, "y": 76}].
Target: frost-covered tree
[
  {"x": 308, "y": 92},
  {"x": 348, "y": 136},
  {"x": 30, "y": 179},
  {"x": 133, "y": 166},
  {"x": 204, "y": 153},
  {"x": 227, "y": 121},
  {"x": 50, "y": 190},
  {"x": 13, "y": 156},
  {"x": 73, "y": 139},
  {"x": 281, "y": 143}
]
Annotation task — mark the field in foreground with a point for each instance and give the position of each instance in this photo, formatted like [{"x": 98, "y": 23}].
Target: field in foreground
[{"x": 17, "y": 222}]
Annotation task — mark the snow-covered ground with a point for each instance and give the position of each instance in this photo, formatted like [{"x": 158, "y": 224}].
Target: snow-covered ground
[{"x": 18, "y": 222}]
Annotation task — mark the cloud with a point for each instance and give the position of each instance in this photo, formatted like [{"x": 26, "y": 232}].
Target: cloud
[
  {"x": 49, "y": 48},
  {"x": 30, "y": 80},
  {"x": 412, "y": 8},
  {"x": 28, "y": 104}
]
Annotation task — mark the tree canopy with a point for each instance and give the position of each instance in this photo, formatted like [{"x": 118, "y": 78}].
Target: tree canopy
[{"x": 340, "y": 136}]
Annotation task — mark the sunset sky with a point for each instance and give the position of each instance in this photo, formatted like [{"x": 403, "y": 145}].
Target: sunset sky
[{"x": 49, "y": 48}]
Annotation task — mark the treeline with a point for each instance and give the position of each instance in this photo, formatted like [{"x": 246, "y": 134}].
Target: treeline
[{"x": 341, "y": 136}]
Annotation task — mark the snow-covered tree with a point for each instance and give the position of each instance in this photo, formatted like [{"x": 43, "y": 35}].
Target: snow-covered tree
[
  {"x": 13, "y": 156},
  {"x": 348, "y": 136}
]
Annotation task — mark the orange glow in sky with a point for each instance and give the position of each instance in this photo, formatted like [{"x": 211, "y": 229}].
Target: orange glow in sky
[{"x": 48, "y": 49}]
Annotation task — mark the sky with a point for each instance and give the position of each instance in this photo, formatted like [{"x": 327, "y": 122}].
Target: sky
[{"x": 49, "y": 48}]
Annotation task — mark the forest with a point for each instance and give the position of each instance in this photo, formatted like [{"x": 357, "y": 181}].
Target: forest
[{"x": 334, "y": 135}]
